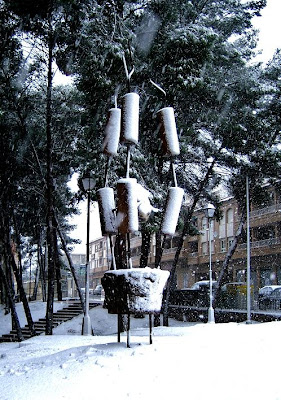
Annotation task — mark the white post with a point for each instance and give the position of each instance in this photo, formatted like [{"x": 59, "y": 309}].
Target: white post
[
  {"x": 248, "y": 254},
  {"x": 86, "y": 327},
  {"x": 211, "y": 314}
]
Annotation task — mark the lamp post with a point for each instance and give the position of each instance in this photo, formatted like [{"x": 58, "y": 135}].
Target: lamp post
[
  {"x": 30, "y": 258},
  {"x": 88, "y": 184},
  {"x": 209, "y": 212},
  {"x": 248, "y": 254}
]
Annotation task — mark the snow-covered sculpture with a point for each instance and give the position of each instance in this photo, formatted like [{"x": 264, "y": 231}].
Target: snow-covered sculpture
[{"x": 132, "y": 290}]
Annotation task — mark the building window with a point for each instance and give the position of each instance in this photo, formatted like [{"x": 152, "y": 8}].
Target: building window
[
  {"x": 204, "y": 248},
  {"x": 223, "y": 246},
  {"x": 185, "y": 280},
  {"x": 229, "y": 242},
  {"x": 193, "y": 247},
  {"x": 204, "y": 224},
  {"x": 222, "y": 227},
  {"x": 229, "y": 222}
]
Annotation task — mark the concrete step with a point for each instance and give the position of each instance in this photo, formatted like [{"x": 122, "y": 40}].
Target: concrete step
[{"x": 64, "y": 315}]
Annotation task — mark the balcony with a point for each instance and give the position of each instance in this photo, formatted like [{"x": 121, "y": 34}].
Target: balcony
[
  {"x": 276, "y": 208},
  {"x": 261, "y": 243}
]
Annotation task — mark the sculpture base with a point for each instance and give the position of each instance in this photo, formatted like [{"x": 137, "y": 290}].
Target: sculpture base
[{"x": 134, "y": 290}]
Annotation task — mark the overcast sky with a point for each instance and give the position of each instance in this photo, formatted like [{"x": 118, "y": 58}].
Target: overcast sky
[{"x": 270, "y": 29}]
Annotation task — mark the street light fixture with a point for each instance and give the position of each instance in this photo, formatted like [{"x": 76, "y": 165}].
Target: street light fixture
[
  {"x": 30, "y": 259},
  {"x": 209, "y": 213},
  {"x": 88, "y": 184}
]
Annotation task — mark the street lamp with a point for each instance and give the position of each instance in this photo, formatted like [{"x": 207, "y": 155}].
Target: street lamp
[
  {"x": 248, "y": 253},
  {"x": 209, "y": 212},
  {"x": 88, "y": 184},
  {"x": 30, "y": 258}
]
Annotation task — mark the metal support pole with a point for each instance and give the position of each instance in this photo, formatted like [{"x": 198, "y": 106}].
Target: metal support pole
[
  {"x": 128, "y": 332},
  {"x": 248, "y": 254},
  {"x": 119, "y": 322},
  {"x": 150, "y": 328},
  {"x": 86, "y": 328},
  {"x": 211, "y": 314}
]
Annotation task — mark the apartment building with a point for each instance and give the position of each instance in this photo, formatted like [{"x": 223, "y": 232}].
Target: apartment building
[
  {"x": 193, "y": 263},
  {"x": 99, "y": 260},
  {"x": 265, "y": 245}
]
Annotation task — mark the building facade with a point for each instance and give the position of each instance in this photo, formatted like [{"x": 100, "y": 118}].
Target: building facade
[
  {"x": 193, "y": 264},
  {"x": 99, "y": 260}
]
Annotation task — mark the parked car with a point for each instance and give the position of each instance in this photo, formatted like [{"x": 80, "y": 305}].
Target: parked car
[
  {"x": 265, "y": 298},
  {"x": 234, "y": 295},
  {"x": 203, "y": 285},
  {"x": 275, "y": 299},
  {"x": 98, "y": 290}
]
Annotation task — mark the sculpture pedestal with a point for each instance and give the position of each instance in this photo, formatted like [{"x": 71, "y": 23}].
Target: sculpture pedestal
[{"x": 129, "y": 291}]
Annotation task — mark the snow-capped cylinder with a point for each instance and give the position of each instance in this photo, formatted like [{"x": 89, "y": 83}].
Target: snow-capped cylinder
[
  {"x": 112, "y": 132},
  {"x": 107, "y": 210},
  {"x": 168, "y": 132},
  {"x": 130, "y": 119},
  {"x": 172, "y": 210},
  {"x": 127, "y": 206}
]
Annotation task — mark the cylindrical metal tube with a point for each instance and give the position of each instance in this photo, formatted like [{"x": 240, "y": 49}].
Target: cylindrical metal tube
[
  {"x": 112, "y": 132},
  {"x": 168, "y": 132},
  {"x": 127, "y": 206},
  {"x": 130, "y": 119},
  {"x": 107, "y": 210},
  {"x": 172, "y": 211}
]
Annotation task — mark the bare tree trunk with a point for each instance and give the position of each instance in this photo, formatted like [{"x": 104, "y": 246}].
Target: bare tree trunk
[
  {"x": 229, "y": 254},
  {"x": 158, "y": 249},
  {"x": 145, "y": 247},
  {"x": 50, "y": 185},
  {"x": 185, "y": 232},
  {"x": 23, "y": 298},
  {"x": 72, "y": 269},
  {"x": 58, "y": 271},
  {"x": 12, "y": 305},
  {"x": 36, "y": 283},
  {"x": 120, "y": 251},
  {"x": 18, "y": 241}
]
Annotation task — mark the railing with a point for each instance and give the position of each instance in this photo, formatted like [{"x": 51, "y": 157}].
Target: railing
[
  {"x": 260, "y": 243},
  {"x": 266, "y": 210}
]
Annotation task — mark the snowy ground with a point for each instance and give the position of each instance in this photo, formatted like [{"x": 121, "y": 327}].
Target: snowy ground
[{"x": 196, "y": 361}]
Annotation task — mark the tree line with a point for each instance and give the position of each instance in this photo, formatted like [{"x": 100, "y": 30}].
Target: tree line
[{"x": 196, "y": 56}]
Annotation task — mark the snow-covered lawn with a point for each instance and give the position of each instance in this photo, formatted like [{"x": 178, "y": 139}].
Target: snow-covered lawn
[{"x": 186, "y": 361}]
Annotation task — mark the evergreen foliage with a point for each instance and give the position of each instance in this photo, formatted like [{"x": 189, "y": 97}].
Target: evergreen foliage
[{"x": 199, "y": 52}]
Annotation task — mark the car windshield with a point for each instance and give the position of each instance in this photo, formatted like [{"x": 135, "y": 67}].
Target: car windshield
[{"x": 276, "y": 293}]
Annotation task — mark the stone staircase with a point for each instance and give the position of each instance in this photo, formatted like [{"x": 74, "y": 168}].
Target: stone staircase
[{"x": 72, "y": 310}]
